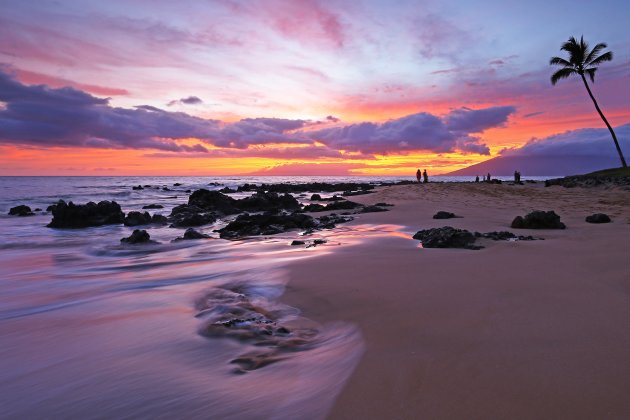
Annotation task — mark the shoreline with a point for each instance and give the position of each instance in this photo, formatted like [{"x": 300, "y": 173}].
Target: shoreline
[{"x": 517, "y": 329}]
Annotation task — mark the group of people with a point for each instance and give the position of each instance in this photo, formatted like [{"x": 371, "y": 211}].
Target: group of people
[
  {"x": 517, "y": 176},
  {"x": 422, "y": 176},
  {"x": 485, "y": 178}
]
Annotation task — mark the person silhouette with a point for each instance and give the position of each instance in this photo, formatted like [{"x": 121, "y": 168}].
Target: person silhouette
[
  {"x": 488, "y": 178},
  {"x": 419, "y": 175},
  {"x": 477, "y": 178},
  {"x": 426, "y": 177}
]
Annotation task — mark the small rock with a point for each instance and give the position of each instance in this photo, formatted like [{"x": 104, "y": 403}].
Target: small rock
[
  {"x": 21, "y": 210},
  {"x": 139, "y": 187},
  {"x": 137, "y": 237},
  {"x": 316, "y": 197},
  {"x": 192, "y": 234},
  {"x": 295, "y": 243},
  {"x": 598, "y": 218},
  {"x": 444, "y": 215},
  {"x": 152, "y": 206},
  {"x": 538, "y": 220},
  {"x": 135, "y": 218},
  {"x": 446, "y": 237}
]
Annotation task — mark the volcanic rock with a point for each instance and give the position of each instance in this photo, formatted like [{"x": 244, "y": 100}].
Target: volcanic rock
[
  {"x": 598, "y": 218},
  {"x": 446, "y": 237},
  {"x": 538, "y": 220},
  {"x": 85, "y": 215},
  {"x": 21, "y": 210},
  {"x": 443, "y": 215},
  {"x": 137, "y": 237}
]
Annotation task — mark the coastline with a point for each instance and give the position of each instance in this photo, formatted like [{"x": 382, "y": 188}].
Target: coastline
[{"x": 517, "y": 329}]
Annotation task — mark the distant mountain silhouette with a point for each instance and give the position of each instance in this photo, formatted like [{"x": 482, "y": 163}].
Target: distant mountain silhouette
[{"x": 539, "y": 165}]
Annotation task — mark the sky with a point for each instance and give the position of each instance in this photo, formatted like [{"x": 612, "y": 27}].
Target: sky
[{"x": 294, "y": 87}]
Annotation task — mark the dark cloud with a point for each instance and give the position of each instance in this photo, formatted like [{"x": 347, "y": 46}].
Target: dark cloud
[
  {"x": 191, "y": 100},
  {"x": 422, "y": 131},
  {"x": 475, "y": 121},
  {"x": 583, "y": 142},
  {"x": 41, "y": 116}
]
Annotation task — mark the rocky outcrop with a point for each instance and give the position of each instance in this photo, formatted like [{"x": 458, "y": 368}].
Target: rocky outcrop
[
  {"x": 307, "y": 187},
  {"x": 138, "y": 237},
  {"x": 72, "y": 215},
  {"x": 446, "y": 237},
  {"x": 267, "y": 201},
  {"x": 371, "y": 209},
  {"x": 21, "y": 210},
  {"x": 186, "y": 215},
  {"x": 152, "y": 206},
  {"x": 265, "y": 224},
  {"x": 136, "y": 218},
  {"x": 213, "y": 201},
  {"x": 598, "y": 218},
  {"x": 538, "y": 220}
]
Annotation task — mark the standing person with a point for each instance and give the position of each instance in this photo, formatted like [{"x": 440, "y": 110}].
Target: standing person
[
  {"x": 488, "y": 179},
  {"x": 419, "y": 175},
  {"x": 426, "y": 177},
  {"x": 515, "y": 176},
  {"x": 477, "y": 178}
]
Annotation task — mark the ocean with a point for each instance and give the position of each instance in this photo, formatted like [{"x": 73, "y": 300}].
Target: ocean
[{"x": 94, "y": 329}]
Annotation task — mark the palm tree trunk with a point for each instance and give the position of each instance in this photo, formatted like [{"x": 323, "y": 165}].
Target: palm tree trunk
[{"x": 601, "y": 114}]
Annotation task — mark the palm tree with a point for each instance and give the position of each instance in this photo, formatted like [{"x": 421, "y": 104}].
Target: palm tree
[{"x": 581, "y": 61}]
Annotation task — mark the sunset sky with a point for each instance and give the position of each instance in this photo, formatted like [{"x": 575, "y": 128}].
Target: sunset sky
[{"x": 303, "y": 87}]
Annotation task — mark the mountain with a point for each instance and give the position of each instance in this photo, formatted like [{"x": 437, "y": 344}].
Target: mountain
[{"x": 539, "y": 165}]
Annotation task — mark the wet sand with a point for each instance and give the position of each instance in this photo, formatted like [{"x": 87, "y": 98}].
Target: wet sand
[{"x": 530, "y": 329}]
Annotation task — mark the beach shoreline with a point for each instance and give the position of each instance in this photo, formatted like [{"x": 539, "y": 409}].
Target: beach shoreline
[{"x": 525, "y": 329}]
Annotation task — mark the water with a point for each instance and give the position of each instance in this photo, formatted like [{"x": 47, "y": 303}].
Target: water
[{"x": 94, "y": 329}]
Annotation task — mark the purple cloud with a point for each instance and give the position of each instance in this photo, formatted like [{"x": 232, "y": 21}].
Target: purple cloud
[
  {"x": 475, "y": 121},
  {"x": 191, "y": 100},
  {"x": 584, "y": 142},
  {"x": 422, "y": 131},
  {"x": 42, "y": 116}
]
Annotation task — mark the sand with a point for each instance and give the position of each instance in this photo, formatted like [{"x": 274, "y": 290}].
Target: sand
[{"x": 529, "y": 329}]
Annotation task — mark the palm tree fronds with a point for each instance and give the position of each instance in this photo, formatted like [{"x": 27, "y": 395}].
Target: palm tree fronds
[
  {"x": 591, "y": 73},
  {"x": 594, "y": 52},
  {"x": 562, "y": 74},
  {"x": 559, "y": 61},
  {"x": 602, "y": 58}
]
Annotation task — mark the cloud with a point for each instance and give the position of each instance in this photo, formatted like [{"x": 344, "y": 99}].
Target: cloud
[
  {"x": 422, "y": 131},
  {"x": 191, "y": 100},
  {"x": 42, "y": 116},
  {"x": 583, "y": 142},
  {"x": 475, "y": 121},
  {"x": 67, "y": 117}
]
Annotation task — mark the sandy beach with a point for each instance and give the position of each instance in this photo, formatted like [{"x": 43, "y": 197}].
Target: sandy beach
[{"x": 527, "y": 329}]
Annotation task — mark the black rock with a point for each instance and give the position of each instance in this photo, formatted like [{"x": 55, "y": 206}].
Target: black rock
[
  {"x": 504, "y": 236},
  {"x": 319, "y": 241},
  {"x": 598, "y": 218},
  {"x": 265, "y": 224},
  {"x": 159, "y": 219},
  {"x": 443, "y": 215},
  {"x": 446, "y": 237},
  {"x": 538, "y": 220},
  {"x": 330, "y": 221},
  {"x": 37, "y": 209},
  {"x": 166, "y": 189},
  {"x": 384, "y": 205},
  {"x": 372, "y": 209},
  {"x": 213, "y": 201},
  {"x": 295, "y": 243},
  {"x": 226, "y": 190},
  {"x": 152, "y": 206},
  {"x": 136, "y": 218},
  {"x": 316, "y": 197},
  {"x": 85, "y": 215},
  {"x": 265, "y": 201},
  {"x": 191, "y": 234},
  {"x": 137, "y": 237},
  {"x": 314, "y": 207},
  {"x": 177, "y": 184},
  {"x": 186, "y": 215},
  {"x": 139, "y": 187},
  {"x": 351, "y": 193},
  {"x": 20, "y": 210}
]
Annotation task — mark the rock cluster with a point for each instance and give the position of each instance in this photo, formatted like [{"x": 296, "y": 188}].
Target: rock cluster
[
  {"x": 70, "y": 215},
  {"x": 443, "y": 215},
  {"x": 446, "y": 237}
]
